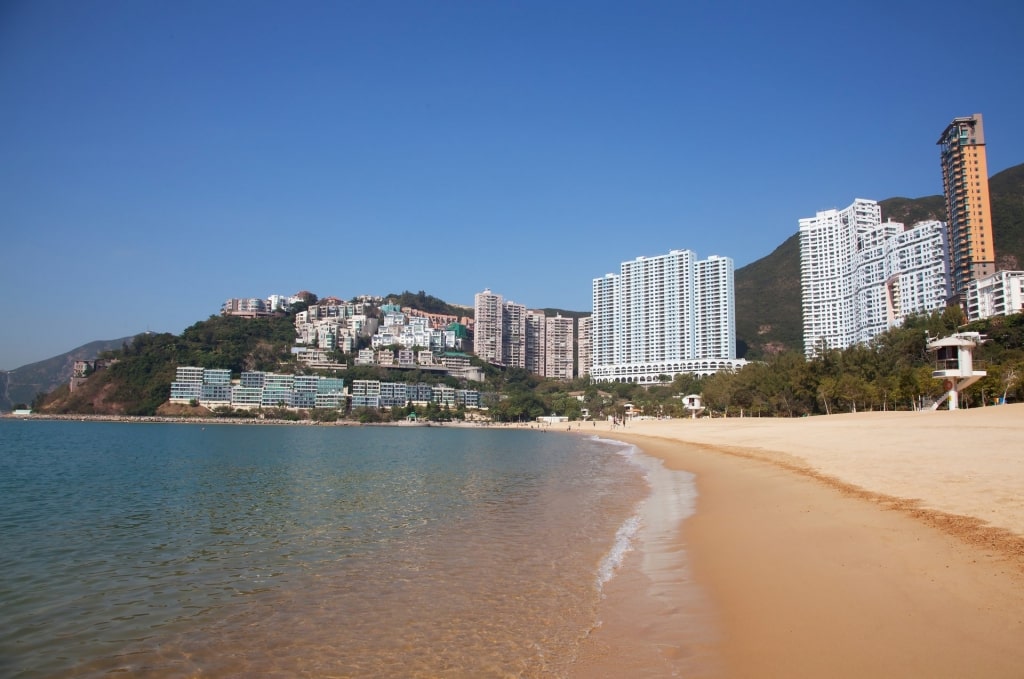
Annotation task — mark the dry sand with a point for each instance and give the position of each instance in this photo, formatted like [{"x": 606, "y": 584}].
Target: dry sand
[{"x": 858, "y": 545}]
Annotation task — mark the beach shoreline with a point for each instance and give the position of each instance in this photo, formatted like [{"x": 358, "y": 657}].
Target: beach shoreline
[
  {"x": 884, "y": 544},
  {"x": 871, "y": 544}
]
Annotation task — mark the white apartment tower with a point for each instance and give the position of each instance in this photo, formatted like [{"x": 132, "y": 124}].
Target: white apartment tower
[
  {"x": 828, "y": 243},
  {"x": 663, "y": 316},
  {"x": 861, "y": 276}
]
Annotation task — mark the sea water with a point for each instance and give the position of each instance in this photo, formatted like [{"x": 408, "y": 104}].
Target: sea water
[{"x": 180, "y": 550}]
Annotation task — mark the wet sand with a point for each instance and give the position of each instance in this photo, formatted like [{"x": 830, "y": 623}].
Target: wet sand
[{"x": 872, "y": 544}]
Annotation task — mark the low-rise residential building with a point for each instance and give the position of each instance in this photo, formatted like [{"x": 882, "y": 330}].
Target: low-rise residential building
[
  {"x": 444, "y": 395},
  {"x": 277, "y": 390},
  {"x": 421, "y": 393},
  {"x": 393, "y": 394},
  {"x": 330, "y": 393},
  {"x": 254, "y": 389},
  {"x": 366, "y": 393},
  {"x": 1000, "y": 294},
  {"x": 187, "y": 385}
]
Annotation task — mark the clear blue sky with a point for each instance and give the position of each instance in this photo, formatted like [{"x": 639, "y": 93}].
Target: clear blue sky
[{"x": 157, "y": 158}]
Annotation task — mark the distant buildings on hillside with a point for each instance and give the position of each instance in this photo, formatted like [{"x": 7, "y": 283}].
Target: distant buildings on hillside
[{"x": 255, "y": 307}]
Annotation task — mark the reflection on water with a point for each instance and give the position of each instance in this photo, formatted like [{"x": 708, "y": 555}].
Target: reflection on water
[{"x": 173, "y": 550}]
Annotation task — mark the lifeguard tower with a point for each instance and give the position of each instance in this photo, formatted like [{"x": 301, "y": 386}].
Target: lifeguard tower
[
  {"x": 692, "y": 403},
  {"x": 954, "y": 365}
]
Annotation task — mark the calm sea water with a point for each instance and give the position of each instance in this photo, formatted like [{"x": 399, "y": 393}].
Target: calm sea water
[{"x": 165, "y": 550}]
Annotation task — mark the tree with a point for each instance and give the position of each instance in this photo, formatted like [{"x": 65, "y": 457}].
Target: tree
[
  {"x": 1011, "y": 378},
  {"x": 827, "y": 389},
  {"x": 718, "y": 390}
]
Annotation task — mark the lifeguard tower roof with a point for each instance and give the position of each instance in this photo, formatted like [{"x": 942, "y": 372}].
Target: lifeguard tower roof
[{"x": 954, "y": 341}]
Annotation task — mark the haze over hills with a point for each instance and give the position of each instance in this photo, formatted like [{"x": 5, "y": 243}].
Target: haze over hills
[{"x": 768, "y": 315}]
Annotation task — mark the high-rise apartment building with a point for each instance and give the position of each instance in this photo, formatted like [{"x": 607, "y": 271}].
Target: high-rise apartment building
[
  {"x": 583, "y": 346},
  {"x": 663, "y": 316},
  {"x": 536, "y": 333},
  {"x": 861, "y": 276},
  {"x": 488, "y": 327},
  {"x": 828, "y": 243},
  {"x": 968, "y": 208},
  {"x": 513, "y": 335},
  {"x": 508, "y": 334},
  {"x": 559, "y": 339}
]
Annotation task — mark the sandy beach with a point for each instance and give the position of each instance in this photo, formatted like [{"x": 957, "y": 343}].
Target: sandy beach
[{"x": 886, "y": 544}]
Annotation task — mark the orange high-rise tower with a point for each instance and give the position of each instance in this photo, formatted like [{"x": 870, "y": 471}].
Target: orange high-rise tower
[{"x": 969, "y": 213}]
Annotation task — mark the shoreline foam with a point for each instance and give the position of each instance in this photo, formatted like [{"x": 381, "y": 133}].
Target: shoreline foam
[{"x": 833, "y": 546}]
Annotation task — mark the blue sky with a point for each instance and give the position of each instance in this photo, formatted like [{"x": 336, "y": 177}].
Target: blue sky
[{"x": 157, "y": 158}]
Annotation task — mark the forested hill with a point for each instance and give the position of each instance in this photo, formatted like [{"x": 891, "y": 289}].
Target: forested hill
[
  {"x": 768, "y": 315},
  {"x": 139, "y": 382}
]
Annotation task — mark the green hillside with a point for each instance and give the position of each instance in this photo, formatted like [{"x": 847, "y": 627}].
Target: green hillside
[
  {"x": 22, "y": 385},
  {"x": 139, "y": 382},
  {"x": 1007, "y": 193},
  {"x": 768, "y": 316},
  {"x": 768, "y": 303}
]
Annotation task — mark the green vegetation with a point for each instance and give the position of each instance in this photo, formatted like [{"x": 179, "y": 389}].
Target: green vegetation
[
  {"x": 891, "y": 372},
  {"x": 1006, "y": 190},
  {"x": 768, "y": 315},
  {"x": 428, "y": 303},
  {"x": 139, "y": 381}
]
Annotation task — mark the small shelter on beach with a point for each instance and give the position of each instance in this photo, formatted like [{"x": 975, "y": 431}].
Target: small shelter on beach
[
  {"x": 954, "y": 365},
  {"x": 553, "y": 419}
]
